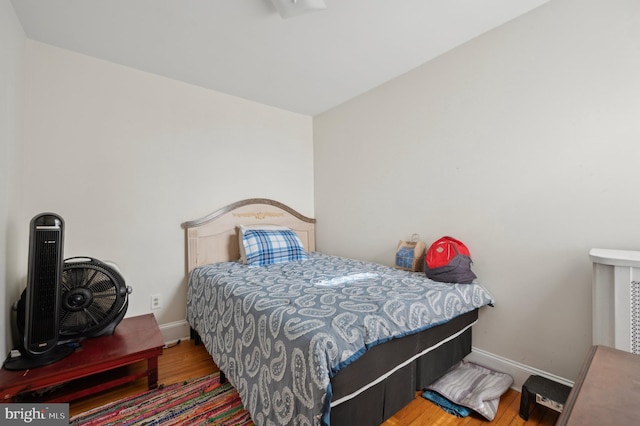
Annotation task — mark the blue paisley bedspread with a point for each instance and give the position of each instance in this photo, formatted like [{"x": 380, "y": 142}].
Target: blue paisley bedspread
[{"x": 280, "y": 332}]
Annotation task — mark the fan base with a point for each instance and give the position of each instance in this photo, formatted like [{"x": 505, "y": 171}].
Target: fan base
[{"x": 25, "y": 363}]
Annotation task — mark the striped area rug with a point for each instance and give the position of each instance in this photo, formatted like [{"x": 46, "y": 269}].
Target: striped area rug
[{"x": 199, "y": 401}]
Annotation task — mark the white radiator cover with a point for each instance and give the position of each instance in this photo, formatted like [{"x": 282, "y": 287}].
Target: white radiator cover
[{"x": 616, "y": 299}]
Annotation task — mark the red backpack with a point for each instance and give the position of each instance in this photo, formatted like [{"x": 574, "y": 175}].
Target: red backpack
[{"x": 448, "y": 260}]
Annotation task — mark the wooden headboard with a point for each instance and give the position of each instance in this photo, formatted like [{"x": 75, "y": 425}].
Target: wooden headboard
[{"x": 214, "y": 238}]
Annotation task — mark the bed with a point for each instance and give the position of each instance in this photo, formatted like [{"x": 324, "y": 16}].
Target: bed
[{"x": 318, "y": 339}]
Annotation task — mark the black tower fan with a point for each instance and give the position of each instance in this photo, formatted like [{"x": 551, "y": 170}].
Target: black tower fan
[
  {"x": 89, "y": 298},
  {"x": 42, "y": 295}
]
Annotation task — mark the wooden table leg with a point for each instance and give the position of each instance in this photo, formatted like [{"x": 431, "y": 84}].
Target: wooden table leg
[{"x": 152, "y": 372}]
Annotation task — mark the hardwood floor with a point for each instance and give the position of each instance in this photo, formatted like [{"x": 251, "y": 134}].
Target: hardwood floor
[
  {"x": 185, "y": 361},
  {"x": 177, "y": 363},
  {"x": 422, "y": 412}
]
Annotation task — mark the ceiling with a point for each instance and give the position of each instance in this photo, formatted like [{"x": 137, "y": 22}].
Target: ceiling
[{"x": 307, "y": 64}]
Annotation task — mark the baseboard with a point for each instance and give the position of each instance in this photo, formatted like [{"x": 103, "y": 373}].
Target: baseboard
[
  {"x": 174, "y": 331},
  {"x": 519, "y": 372}
]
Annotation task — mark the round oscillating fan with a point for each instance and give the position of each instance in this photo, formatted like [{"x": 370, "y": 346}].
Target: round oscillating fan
[{"x": 94, "y": 298}]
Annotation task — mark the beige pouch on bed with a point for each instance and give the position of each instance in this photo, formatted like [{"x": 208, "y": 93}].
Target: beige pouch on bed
[{"x": 410, "y": 254}]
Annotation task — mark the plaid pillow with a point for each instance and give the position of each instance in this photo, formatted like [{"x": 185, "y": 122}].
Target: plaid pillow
[
  {"x": 244, "y": 228},
  {"x": 265, "y": 247}
]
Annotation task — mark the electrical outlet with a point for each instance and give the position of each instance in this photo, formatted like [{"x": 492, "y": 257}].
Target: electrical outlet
[{"x": 156, "y": 301}]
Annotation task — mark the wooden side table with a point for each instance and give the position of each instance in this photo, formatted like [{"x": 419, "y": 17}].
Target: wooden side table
[
  {"x": 607, "y": 390},
  {"x": 135, "y": 339}
]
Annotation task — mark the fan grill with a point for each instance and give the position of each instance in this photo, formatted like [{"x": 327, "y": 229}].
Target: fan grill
[{"x": 93, "y": 295}]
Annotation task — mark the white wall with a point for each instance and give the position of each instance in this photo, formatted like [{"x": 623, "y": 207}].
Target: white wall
[
  {"x": 524, "y": 143},
  {"x": 125, "y": 157},
  {"x": 12, "y": 41}
]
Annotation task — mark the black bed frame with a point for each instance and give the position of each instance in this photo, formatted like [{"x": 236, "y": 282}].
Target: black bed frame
[{"x": 382, "y": 400}]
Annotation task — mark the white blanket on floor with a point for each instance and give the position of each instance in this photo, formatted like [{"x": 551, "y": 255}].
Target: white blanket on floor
[{"x": 474, "y": 387}]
